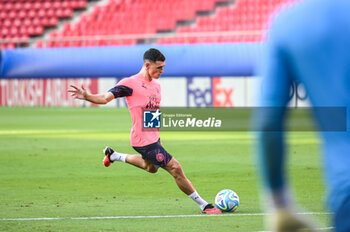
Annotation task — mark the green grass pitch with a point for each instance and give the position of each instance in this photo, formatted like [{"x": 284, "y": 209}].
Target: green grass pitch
[{"x": 51, "y": 167}]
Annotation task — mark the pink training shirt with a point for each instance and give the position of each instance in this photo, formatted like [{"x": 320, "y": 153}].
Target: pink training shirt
[{"x": 141, "y": 94}]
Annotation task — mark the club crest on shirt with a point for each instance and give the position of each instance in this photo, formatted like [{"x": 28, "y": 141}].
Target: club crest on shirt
[{"x": 160, "y": 157}]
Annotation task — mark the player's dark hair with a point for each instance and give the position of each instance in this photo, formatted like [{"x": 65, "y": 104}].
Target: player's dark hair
[{"x": 153, "y": 55}]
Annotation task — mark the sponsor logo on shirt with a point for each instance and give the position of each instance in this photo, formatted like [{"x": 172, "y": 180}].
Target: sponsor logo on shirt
[{"x": 153, "y": 103}]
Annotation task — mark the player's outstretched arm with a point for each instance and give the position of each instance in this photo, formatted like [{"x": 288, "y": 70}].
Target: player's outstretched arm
[{"x": 82, "y": 93}]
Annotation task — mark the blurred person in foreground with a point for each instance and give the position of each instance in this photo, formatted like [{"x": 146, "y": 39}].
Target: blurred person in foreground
[
  {"x": 308, "y": 43},
  {"x": 143, "y": 93}
]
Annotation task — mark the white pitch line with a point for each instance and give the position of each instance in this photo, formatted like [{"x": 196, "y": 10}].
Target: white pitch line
[
  {"x": 325, "y": 228},
  {"x": 159, "y": 216},
  {"x": 321, "y": 228}
]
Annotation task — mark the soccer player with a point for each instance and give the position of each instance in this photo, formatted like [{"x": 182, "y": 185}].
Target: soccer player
[
  {"x": 308, "y": 43},
  {"x": 142, "y": 93}
]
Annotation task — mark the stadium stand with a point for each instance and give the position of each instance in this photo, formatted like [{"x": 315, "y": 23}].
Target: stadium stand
[
  {"x": 118, "y": 17},
  {"x": 116, "y": 23}
]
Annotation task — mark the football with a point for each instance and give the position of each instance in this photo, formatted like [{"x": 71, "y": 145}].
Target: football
[{"x": 227, "y": 200}]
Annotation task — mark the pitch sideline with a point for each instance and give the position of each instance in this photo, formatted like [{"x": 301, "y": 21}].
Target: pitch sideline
[{"x": 150, "y": 217}]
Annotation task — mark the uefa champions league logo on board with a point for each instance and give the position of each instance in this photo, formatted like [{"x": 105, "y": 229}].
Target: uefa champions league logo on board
[{"x": 151, "y": 119}]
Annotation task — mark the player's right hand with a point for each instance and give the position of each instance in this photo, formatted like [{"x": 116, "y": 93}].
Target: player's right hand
[
  {"x": 76, "y": 92},
  {"x": 286, "y": 220}
]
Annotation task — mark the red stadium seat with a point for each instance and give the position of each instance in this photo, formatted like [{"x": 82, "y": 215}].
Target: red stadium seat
[
  {"x": 4, "y": 32},
  {"x": 23, "y": 31},
  {"x": 30, "y": 30},
  {"x": 3, "y": 15},
  {"x": 7, "y": 23},
  {"x": 27, "y": 5},
  {"x": 37, "y": 5},
  {"x": 56, "y": 5},
  {"x": 65, "y": 4},
  {"x": 27, "y": 22},
  {"x": 31, "y": 13},
  {"x": 67, "y": 13},
  {"x": 49, "y": 21},
  {"x": 17, "y": 22},
  {"x": 22, "y": 14},
  {"x": 47, "y": 5}
]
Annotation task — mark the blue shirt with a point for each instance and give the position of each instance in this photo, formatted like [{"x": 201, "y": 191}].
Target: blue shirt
[{"x": 309, "y": 43}]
